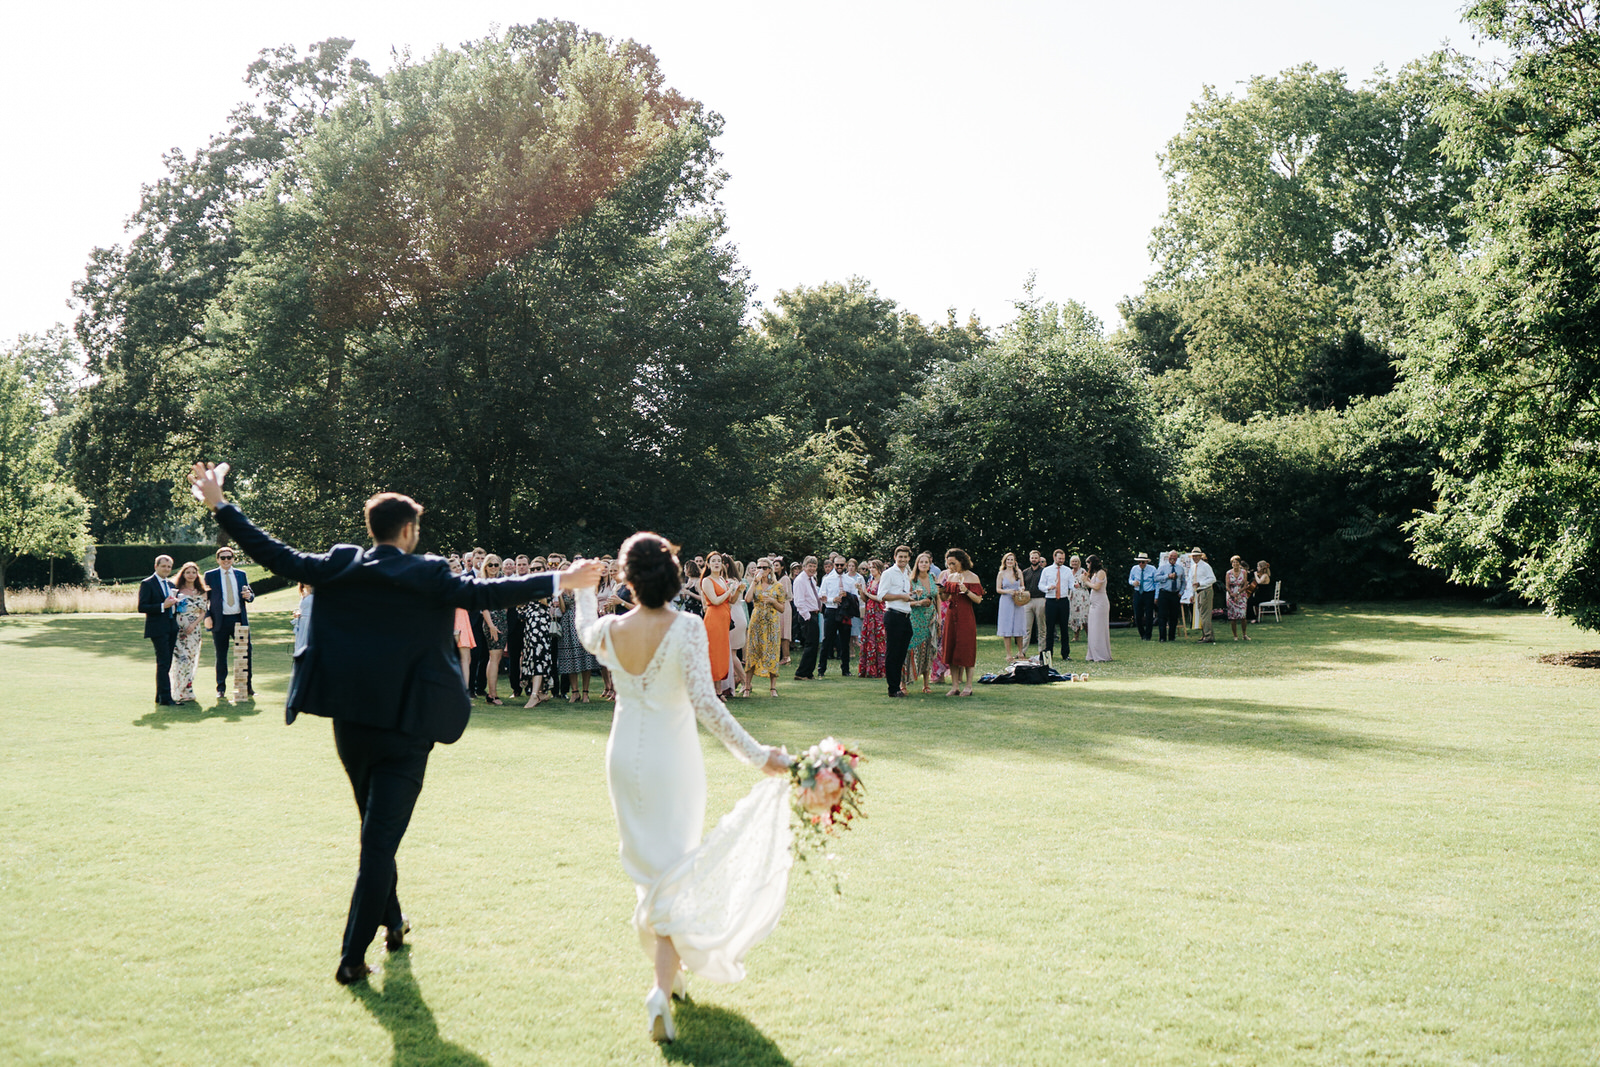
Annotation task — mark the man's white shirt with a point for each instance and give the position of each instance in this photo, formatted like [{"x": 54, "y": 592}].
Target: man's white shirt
[
  {"x": 230, "y": 591},
  {"x": 1057, "y": 582},
  {"x": 895, "y": 580},
  {"x": 833, "y": 588}
]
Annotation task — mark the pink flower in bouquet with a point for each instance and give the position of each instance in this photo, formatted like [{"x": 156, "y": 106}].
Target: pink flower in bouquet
[{"x": 823, "y": 793}]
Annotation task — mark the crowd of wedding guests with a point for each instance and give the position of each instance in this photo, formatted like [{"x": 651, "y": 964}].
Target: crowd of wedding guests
[{"x": 908, "y": 620}]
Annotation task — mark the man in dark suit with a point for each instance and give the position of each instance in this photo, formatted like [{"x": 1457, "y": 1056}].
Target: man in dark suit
[
  {"x": 225, "y": 612},
  {"x": 380, "y": 661},
  {"x": 156, "y": 601}
]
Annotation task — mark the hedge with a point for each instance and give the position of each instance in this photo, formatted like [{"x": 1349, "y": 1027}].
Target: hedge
[{"x": 121, "y": 562}]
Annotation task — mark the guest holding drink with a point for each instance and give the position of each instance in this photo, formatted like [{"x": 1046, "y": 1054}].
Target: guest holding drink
[
  {"x": 717, "y": 594},
  {"x": 873, "y": 647},
  {"x": 1013, "y": 624},
  {"x": 924, "y": 624},
  {"x": 960, "y": 589},
  {"x": 193, "y": 596},
  {"x": 762, "y": 641},
  {"x": 1098, "y": 641},
  {"x": 494, "y": 627}
]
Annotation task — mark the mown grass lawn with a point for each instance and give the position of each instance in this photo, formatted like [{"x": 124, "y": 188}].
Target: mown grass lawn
[{"x": 1367, "y": 836}]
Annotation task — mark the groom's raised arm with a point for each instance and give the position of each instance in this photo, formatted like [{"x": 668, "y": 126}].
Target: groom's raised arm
[
  {"x": 280, "y": 558},
  {"x": 477, "y": 594},
  {"x": 206, "y": 480}
]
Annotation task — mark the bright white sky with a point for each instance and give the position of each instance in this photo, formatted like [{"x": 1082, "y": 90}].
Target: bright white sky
[{"x": 939, "y": 150}]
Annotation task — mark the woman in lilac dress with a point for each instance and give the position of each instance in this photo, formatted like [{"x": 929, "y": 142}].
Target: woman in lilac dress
[{"x": 1099, "y": 638}]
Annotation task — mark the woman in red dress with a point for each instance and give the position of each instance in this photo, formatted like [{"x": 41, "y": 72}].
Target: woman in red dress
[
  {"x": 874, "y": 644},
  {"x": 961, "y": 589}
]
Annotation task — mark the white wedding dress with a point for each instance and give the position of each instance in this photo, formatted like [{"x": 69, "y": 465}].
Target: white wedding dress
[{"x": 718, "y": 898}]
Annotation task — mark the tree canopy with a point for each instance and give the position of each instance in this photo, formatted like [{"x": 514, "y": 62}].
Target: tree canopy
[{"x": 1503, "y": 348}]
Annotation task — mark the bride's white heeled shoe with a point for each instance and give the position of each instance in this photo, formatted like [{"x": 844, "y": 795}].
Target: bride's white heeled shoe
[
  {"x": 680, "y": 986},
  {"x": 659, "y": 1007}
]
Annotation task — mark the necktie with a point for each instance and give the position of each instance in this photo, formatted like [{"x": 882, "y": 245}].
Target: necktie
[
  {"x": 230, "y": 599},
  {"x": 166, "y": 592}
]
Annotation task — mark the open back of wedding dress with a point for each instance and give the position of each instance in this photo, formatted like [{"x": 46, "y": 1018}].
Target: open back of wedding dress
[{"x": 716, "y": 899}]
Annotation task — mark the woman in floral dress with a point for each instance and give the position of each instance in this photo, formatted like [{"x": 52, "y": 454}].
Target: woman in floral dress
[
  {"x": 1078, "y": 599},
  {"x": 764, "y": 636},
  {"x": 1239, "y": 587},
  {"x": 538, "y": 658},
  {"x": 874, "y": 645},
  {"x": 193, "y": 598},
  {"x": 922, "y": 655}
]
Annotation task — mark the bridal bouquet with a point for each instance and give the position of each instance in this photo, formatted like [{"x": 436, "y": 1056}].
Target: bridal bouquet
[{"x": 827, "y": 791}]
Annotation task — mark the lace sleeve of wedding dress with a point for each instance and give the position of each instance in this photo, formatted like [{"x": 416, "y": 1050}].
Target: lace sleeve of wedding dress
[
  {"x": 711, "y": 712},
  {"x": 592, "y": 628}
]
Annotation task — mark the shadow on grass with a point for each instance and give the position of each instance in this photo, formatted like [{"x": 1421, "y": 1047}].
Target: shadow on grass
[
  {"x": 400, "y": 1009},
  {"x": 709, "y": 1036},
  {"x": 163, "y": 718},
  {"x": 123, "y": 636},
  {"x": 1088, "y": 724}
]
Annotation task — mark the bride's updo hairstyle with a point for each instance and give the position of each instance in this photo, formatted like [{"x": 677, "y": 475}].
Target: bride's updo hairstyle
[{"x": 650, "y": 567}]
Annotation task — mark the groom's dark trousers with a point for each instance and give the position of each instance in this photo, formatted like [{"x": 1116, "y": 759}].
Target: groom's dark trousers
[
  {"x": 385, "y": 769},
  {"x": 381, "y": 663}
]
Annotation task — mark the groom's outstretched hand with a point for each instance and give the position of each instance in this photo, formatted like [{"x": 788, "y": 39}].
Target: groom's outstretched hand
[
  {"x": 582, "y": 574},
  {"x": 205, "y": 482}
]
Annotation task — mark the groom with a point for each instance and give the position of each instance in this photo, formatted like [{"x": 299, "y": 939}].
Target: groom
[{"x": 381, "y": 662}]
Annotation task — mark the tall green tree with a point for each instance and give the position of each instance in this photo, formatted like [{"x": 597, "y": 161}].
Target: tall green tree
[
  {"x": 840, "y": 355},
  {"x": 1293, "y": 210},
  {"x": 1503, "y": 359},
  {"x": 496, "y": 279},
  {"x": 145, "y": 303},
  {"x": 40, "y": 514},
  {"x": 1047, "y": 437},
  {"x": 1305, "y": 172}
]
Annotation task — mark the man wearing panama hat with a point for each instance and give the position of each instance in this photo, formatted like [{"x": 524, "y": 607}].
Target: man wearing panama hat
[{"x": 1201, "y": 579}]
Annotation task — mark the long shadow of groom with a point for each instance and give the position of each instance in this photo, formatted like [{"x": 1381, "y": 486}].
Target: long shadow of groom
[
  {"x": 710, "y": 1037},
  {"x": 400, "y": 1009}
]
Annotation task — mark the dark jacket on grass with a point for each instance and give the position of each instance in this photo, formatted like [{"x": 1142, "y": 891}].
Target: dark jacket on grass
[{"x": 381, "y": 651}]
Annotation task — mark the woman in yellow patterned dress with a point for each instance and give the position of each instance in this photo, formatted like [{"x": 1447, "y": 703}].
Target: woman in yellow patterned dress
[{"x": 764, "y": 635}]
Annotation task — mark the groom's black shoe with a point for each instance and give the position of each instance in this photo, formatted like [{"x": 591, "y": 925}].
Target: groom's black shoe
[
  {"x": 395, "y": 939},
  {"x": 350, "y": 975}
]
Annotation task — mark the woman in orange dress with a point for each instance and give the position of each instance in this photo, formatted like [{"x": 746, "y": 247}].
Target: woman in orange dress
[
  {"x": 717, "y": 591},
  {"x": 961, "y": 589}
]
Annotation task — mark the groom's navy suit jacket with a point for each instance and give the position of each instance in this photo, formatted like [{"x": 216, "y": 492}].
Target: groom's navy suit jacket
[{"x": 381, "y": 651}]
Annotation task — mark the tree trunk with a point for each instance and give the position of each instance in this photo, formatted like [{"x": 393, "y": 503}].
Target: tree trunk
[{"x": 3, "y": 610}]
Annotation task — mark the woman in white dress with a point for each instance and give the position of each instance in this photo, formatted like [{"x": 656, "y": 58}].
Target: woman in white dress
[{"x": 702, "y": 905}]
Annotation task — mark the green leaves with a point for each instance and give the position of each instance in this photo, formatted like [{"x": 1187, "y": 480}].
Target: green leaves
[
  {"x": 40, "y": 514},
  {"x": 1503, "y": 351}
]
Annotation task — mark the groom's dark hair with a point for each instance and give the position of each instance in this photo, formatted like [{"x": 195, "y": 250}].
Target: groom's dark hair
[{"x": 388, "y": 513}]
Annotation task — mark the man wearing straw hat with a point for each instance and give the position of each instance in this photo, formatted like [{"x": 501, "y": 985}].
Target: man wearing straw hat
[{"x": 1201, "y": 579}]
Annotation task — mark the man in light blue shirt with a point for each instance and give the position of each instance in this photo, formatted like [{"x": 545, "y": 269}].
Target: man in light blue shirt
[
  {"x": 1142, "y": 579},
  {"x": 1170, "y": 581}
]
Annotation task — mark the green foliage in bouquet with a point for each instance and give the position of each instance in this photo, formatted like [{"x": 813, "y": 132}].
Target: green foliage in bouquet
[{"x": 827, "y": 795}]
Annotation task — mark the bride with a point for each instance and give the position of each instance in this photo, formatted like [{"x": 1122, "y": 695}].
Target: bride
[{"x": 702, "y": 905}]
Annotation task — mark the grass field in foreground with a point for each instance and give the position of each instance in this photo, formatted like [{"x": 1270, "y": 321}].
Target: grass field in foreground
[{"x": 1367, "y": 836}]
